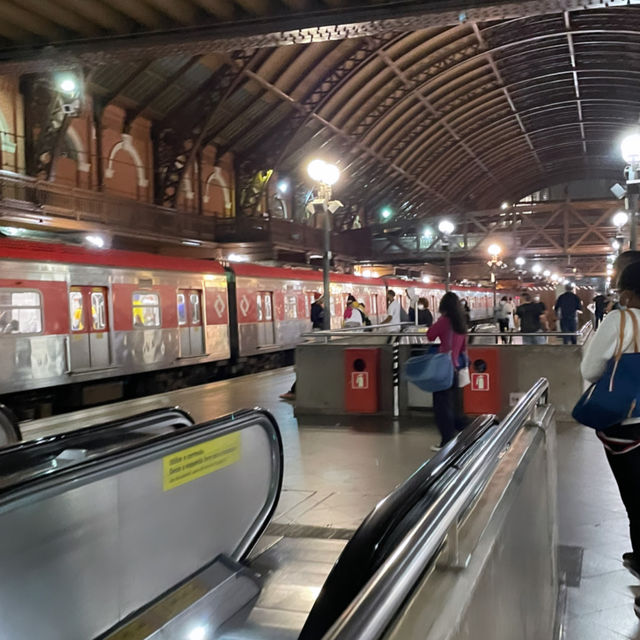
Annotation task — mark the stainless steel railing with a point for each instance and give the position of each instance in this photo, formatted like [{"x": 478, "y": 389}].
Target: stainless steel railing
[{"x": 371, "y": 612}]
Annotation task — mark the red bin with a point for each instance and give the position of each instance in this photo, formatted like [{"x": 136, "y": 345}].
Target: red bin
[
  {"x": 483, "y": 395},
  {"x": 361, "y": 380}
]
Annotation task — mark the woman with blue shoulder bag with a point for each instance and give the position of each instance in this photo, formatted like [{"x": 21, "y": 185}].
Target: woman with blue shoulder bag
[
  {"x": 451, "y": 328},
  {"x": 612, "y": 404}
]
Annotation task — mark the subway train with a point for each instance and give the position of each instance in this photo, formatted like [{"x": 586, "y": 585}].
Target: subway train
[{"x": 71, "y": 316}]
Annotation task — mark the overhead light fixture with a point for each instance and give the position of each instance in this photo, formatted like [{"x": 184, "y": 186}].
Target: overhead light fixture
[
  {"x": 95, "y": 241},
  {"x": 68, "y": 84},
  {"x": 426, "y": 279},
  {"x": 446, "y": 227},
  {"x": 386, "y": 213},
  {"x": 191, "y": 243},
  {"x": 537, "y": 268},
  {"x": 494, "y": 250},
  {"x": 283, "y": 186},
  {"x": 616, "y": 245},
  {"x": 427, "y": 233},
  {"x": 520, "y": 261},
  {"x": 11, "y": 231},
  {"x": 236, "y": 257},
  {"x": 504, "y": 206},
  {"x": 630, "y": 148},
  {"x": 323, "y": 172},
  {"x": 546, "y": 273},
  {"x": 620, "y": 219}
]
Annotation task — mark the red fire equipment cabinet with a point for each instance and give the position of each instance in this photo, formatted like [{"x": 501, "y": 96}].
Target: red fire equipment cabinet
[
  {"x": 361, "y": 380},
  {"x": 483, "y": 395}
]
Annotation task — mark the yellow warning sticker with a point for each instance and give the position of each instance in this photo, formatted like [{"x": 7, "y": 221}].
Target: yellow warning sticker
[{"x": 193, "y": 463}]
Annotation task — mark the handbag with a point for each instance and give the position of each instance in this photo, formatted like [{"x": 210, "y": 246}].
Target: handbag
[
  {"x": 431, "y": 371},
  {"x": 615, "y": 397}
]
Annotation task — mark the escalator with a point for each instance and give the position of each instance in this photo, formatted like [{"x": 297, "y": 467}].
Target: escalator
[{"x": 153, "y": 527}]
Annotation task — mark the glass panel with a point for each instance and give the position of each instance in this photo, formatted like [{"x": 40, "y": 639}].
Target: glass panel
[
  {"x": 146, "y": 310},
  {"x": 182, "y": 310},
  {"x": 20, "y": 312},
  {"x": 259, "y": 305},
  {"x": 267, "y": 307},
  {"x": 195, "y": 308},
  {"x": 76, "y": 310},
  {"x": 98, "y": 311},
  {"x": 291, "y": 307}
]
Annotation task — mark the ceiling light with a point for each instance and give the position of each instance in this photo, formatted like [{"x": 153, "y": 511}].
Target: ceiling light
[
  {"x": 446, "y": 227},
  {"x": 324, "y": 172},
  {"x": 630, "y": 148},
  {"x": 95, "y": 241},
  {"x": 494, "y": 250},
  {"x": 620, "y": 219},
  {"x": 520, "y": 261},
  {"x": 68, "y": 84},
  {"x": 386, "y": 213},
  {"x": 537, "y": 268},
  {"x": 191, "y": 243},
  {"x": 236, "y": 257}
]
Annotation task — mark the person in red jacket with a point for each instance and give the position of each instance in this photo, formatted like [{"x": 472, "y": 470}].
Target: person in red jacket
[{"x": 451, "y": 329}]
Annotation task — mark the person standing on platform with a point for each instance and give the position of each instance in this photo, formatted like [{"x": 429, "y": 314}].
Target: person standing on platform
[
  {"x": 531, "y": 319},
  {"x": 425, "y": 318},
  {"x": 599, "y": 304},
  {"x": 353, "y": 317},
  {"x": 567, "y": 307},
  {"x": 502, "y": 317},
  {"x": 451, "y": 328},
  {"x": 317, "y": 313},
  {"x": 317, "y": 324},
  {"x": 621, "y": 442}
]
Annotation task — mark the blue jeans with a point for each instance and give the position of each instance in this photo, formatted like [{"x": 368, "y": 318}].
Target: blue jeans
[
  {"x": 569, "y": 325},
  {"x": 534, "y": 340}
]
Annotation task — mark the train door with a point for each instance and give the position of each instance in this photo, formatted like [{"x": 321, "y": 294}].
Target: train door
[
  {"x": 89, "y": 340},
  {"x": 264, "y": 304},
  {"x": 190, "y": 322}
]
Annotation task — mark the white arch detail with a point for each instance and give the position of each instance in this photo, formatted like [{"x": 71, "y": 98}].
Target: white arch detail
[
  {"x": 76, "y": 141},
  {"x": 7, "y": 145},
  {"x": 216, "y": 176},
  {"x": 126, "y": 145}
]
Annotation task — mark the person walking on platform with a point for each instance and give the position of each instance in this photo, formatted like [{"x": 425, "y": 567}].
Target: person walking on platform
[
  {"x": 393, "y": 312},
  {"x": 599, "y": 304},
  {"x": 532, "y": 319},
  {"x": 502, "y": 317},
  {"x": 567, "y": 307},
  {"x": 621, "y": 442},
  {"x": 451, "y": 329}
]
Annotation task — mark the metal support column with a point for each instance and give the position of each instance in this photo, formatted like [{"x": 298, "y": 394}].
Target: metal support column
[
  {"x": 448, "y": 265},
  {"x": 326, "y": 266}
]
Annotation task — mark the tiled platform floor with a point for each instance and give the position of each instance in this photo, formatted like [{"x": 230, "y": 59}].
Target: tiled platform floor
[{"x": 593, "y": 521}]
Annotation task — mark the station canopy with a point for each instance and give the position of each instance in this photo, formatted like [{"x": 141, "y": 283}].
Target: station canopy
[{"x": 427, "y": 108}]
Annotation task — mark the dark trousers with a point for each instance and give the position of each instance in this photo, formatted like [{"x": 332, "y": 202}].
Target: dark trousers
[
  {"x": 569, "y": 325},
  {"x": 626, "y": 470},
  {"x": 448, "y": 412},
  {"x": 504, "y": 328},
  {"x": 599, "y": 315}
]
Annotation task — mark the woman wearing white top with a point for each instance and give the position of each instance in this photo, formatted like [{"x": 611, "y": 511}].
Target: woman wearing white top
[{"x": 621, "y": 442}]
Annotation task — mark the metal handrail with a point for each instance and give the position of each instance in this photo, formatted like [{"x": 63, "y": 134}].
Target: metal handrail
[{"x": 371, "y": 612}]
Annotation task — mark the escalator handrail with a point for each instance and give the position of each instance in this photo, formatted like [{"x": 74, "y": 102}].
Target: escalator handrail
[
  {"x": 371, "y": 612},
  {"x": 369, "y": 547},
  {"x": 139, "y": 453}
]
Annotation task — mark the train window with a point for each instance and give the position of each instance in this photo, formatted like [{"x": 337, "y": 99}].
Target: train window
[
  {"x": 20, "y": 312},
  {"x": 182, "y": 310},
  {"x": 291, "y": 307},
  {"x": 268, "y": 313},
  {"x": 194, "y": 298},
  {"x": 98, "y": 311},
  {"x": 76, "y": 310},
  {"x": 146, "y": 310}
]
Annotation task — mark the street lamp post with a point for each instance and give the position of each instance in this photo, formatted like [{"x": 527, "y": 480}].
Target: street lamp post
[
  {"x": 446, "y": 228},
  {"x": 631, "y": 154},
  {"x": 494, "y": 252},
  {"x": 325, "y": 175}
]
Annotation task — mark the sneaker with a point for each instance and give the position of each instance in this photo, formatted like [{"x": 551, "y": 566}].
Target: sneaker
[
  {"x": 630, "y": 561},
  {"x": 636, "y": 606},
  {"x": 435, "y": 447},
  {"x": 288, "y": 396}
]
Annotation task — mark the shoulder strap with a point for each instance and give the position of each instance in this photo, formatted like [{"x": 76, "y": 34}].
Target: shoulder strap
[
  {"x": 623, "y": 325},
  {"x": 634, "y": 321}
]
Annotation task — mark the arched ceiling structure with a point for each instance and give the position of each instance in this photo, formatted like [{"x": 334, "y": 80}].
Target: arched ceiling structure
[{"x": 434, "y": 120}]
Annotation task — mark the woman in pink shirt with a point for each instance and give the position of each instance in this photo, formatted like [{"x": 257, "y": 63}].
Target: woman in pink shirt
[{"x": 451, "y": 328}]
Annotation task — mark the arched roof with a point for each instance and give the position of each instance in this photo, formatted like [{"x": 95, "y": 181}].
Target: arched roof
[{"x": 433, "y": 120}]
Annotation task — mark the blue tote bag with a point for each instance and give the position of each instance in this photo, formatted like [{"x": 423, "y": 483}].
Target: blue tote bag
[
  {"x": 616, "y": 396},
  {"x": 432, "y": 371}
]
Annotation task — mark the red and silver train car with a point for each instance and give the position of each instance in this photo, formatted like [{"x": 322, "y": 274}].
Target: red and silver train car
[
  {"x": 72, "y": 315},
  {"x": 68, "y": 314}
]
